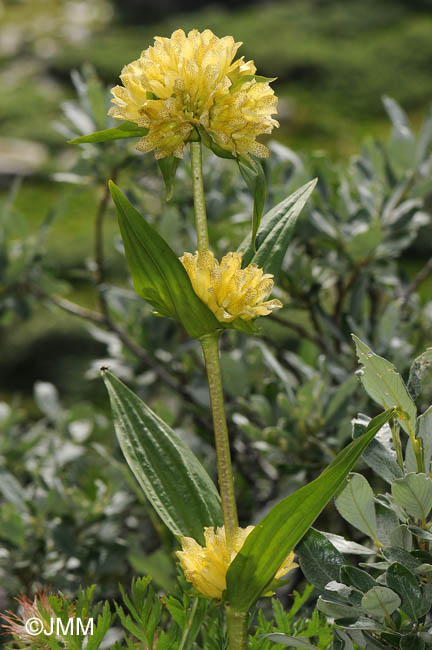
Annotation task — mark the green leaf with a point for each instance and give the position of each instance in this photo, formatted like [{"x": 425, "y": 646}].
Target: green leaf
[
  {"x": 355, "y": 504},
  {"x": 249, "y": 77},
  {"x": 171, "y": 476},
  {"x": 13, "y": 492},
  {"x": 284, "y": 526},
  {"x": 363, "y": 244},
  {"x": 406, "y": 585},
  {"x": 419, "y": 532},
  {"x": 362, "y": 623},
  {"x": 158, "y": 565},
  {"x": 408, "y": 560},
  {"x": 252, "y": 171},
  {"x": 411, "y": 642},
  {"x": 401, "y": 537},
  {"x": 424, "y": 433},
  {"x": 276, "y": 230},
  {"x": 384, "y": 384},
  {"x": 347, "y": 546},
  {"x": 125, "y": 130},
  {"x": 387, "y": 520},
  {"x": 380, "y": 601},
  {"x": 245, "y": 326},
  {"x": 380, "y": 455},
  {"x": 290, "y": 641},
  {"x": 158, "y": 275},
  {"x": 414, "y": 494},
  {"x": 13, "y": 527},
  {"x": 208, "y": 141},
  {"x": 424, "y": 138},
  {"x": 341, "y": 640},
  {"x": 336, "y": 610},
  {"x": 356, "y": 578},
  {"x": 419, "y": 367},
  {"x": 320, "y": 561},
  {"x": 398, "y": 118},
  {"x": 168, "y": 167}
]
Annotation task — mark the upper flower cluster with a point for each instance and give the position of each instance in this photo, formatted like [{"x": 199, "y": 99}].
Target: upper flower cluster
[
  {"x": 228, "y": 290},
  {"x": 186, "y": 82},
  {"x": 206, "y": 566}
]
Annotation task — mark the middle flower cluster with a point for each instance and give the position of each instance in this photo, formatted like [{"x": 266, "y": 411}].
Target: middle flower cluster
[{"x": 228, "y": 290}]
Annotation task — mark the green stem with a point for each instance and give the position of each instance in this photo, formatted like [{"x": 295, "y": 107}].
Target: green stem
[
  {"x": 236, "y": 621},
  {"x": 226, "y": 484},
  {"x": 237, "y": 629},
  {"x": 199, "y": 199},
  {"x": 188, "y": 624}
]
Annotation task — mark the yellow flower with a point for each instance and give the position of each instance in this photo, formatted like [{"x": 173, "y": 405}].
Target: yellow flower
[
  {"x": 206, "y": 566},
  {"x": 191, "y": 81},
  {"x": 227, "y": 289}
]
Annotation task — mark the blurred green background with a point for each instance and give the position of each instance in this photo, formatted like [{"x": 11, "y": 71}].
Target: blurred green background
[{"x": 334, "y": 59}]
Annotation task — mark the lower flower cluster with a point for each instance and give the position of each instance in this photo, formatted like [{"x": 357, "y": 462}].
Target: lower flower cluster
[{"x": 206, "y": 566}]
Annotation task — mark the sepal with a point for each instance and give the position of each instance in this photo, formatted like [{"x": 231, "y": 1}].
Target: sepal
[{"x": 125, "y": 130}]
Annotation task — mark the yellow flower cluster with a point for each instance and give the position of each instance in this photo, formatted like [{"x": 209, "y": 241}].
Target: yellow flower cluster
[
  {"x": 191, "y": 81},
  {"x": 227, "y": 289},
  {"x": 206, "y": 567}
]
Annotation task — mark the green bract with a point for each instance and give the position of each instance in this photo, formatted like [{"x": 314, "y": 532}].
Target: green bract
[
  {"x": 125, "y": 130},
  {"x": 158, "y": 275}
]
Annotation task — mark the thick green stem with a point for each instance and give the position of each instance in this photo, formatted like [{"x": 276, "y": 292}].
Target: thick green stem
[
  {"x": 199, "y": 199},
  {"x": 237, "y": 629},
  {"x": 237, "y": 621},
  {"x": 226, "y": 484}
]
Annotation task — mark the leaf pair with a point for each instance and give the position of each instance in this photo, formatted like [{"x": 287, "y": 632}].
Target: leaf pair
[
  {"x": 186, "y": 499},
  {"x": 160, "y": 278}
]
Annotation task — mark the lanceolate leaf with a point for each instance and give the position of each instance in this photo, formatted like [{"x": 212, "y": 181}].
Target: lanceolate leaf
[
  {"x": 385, "y": 385},
  {"x": 168, "y": 167},
  {"x": 158, "y": 274},
  {"x": 283, "y": 527},
  {"x": 275, "y": 231},
  {"x": 253, "y": 173},
  {"x": 125, "y": 130},
  {"x": 173, "y": 479}
]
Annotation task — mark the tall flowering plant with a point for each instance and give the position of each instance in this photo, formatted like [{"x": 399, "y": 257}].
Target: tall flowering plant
[{"x": 185, "y": 92}]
